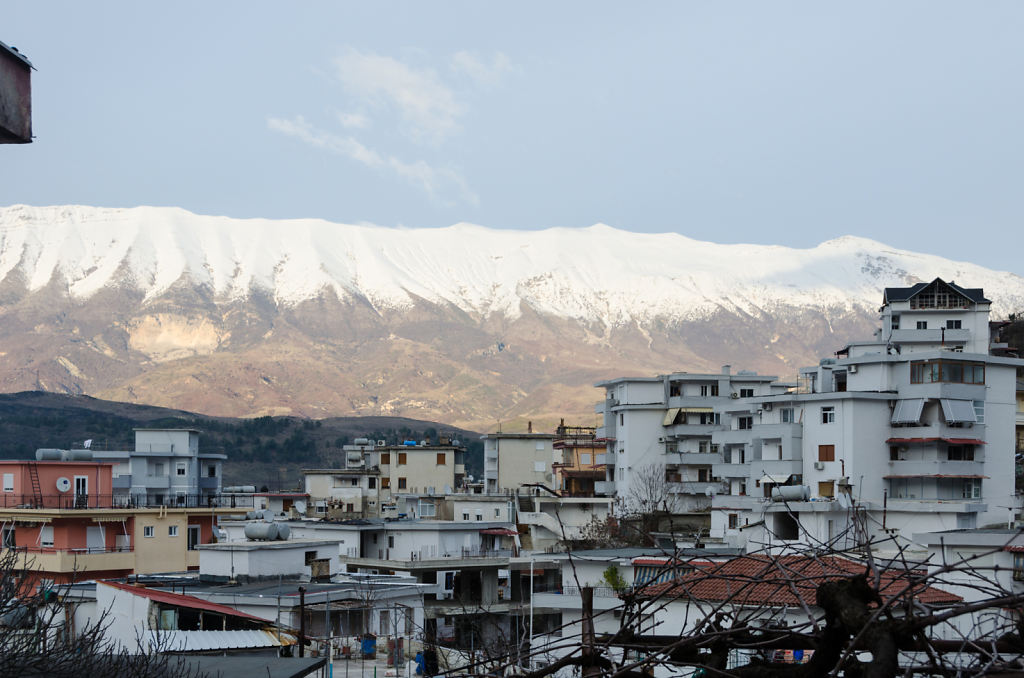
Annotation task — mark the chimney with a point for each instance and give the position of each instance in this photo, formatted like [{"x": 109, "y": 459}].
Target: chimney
[
  {"x": 726, "y": 369},
  {"x": 529, "y": 427}
]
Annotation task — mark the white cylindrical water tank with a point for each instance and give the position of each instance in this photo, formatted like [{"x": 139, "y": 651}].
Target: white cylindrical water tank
[
  {"x": 283, "y": 531},
  {"x": 261, "y": 531},
  {"x": 49, "y": 454},
  {"x": 791, "y": 493}
]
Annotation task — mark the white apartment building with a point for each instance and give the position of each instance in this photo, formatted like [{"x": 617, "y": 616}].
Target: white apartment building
[
  {"x": 910, "y": 432},
  {"x": 512, "y": 460},
  {"x": 661, "y": 433}
]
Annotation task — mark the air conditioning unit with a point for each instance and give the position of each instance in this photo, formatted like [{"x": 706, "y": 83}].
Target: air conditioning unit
[
  {"x": 662, "y": 440},
  {"x": 819, "y": 466},
  {"x": 852, "y": 369},
  {"x": 734, "y": 395}
]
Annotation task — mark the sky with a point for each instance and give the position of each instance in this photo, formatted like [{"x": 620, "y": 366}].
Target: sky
[{"x": 785, "y": 123}]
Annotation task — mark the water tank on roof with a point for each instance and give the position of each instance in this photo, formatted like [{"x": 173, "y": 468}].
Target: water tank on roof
[
  {"x": 361, "y": 441},
  {"x": 283, "y": 531},
  {"x": 80, "y": 455},
  {"x": 791, "y": 493},
  {"x": 409, "y": 443},
  {"x": 261, "y": 531},
  {"x": 49, "y": 454},
  {"x": 240, "y": 489}
]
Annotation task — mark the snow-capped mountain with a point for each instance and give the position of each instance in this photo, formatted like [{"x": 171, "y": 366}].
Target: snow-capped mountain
[{"x": 147, "y": 291}]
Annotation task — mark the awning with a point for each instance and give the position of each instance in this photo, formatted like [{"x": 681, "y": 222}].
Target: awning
[
  {"x": 670, "y": 416},
  {"x": 963, "y": 441},
  {"x": 908, "y": 411},
  {"x": 697, "y": 410},
  {"x": 776, "y": 479},
  {"x": 500, "y": 531},
  {"x": 958, "y": 411},
  {"x": 199, "y": 641}
]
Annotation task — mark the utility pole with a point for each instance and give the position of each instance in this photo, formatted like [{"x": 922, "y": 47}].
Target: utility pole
[
  {"x": 328, "y": 632},
  {"x": 302, "y": 621},
  {"x": 530, "y": 651}
]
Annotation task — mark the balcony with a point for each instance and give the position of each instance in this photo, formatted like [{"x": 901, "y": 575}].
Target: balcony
[
  {"x": 71, "y": 501},
  {"x": 699, "y": 458},
  {"x": 775, "y": 467},
  {"x": 931, "y": 336},
  {"x": 935, "y": 468},
  {"x": 605, "y": 487},
  {"x": 730, "y": 470},
  {"x": 733, "y": 437},
  {"x": 74, "y": 560},
  {"x": 692, "y": 430},
  {"x": 208, "y": 483},
  {"x": 770, "y": 431},
  {"x": 122, "y": 482},
  {"x": 696, "y": 487}
]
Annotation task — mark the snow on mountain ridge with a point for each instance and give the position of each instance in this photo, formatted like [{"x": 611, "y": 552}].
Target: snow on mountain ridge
[{"x": 594, "y": 273}]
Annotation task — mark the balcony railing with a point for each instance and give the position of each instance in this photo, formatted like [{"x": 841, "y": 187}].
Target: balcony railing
[
  {"x": 121, "y": 501},
  {"x": 599, "y": 591}
]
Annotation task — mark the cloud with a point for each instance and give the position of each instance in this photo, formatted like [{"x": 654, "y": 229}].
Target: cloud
[
  {"x": 438, "y": 182},
  {"x": 353, "y": 120},
  {"x": 470, "y": 64},
  {"x": 427, "y": 107}
]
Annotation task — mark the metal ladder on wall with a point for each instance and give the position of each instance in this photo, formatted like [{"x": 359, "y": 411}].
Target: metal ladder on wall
[{"x": 37, "y": 491}]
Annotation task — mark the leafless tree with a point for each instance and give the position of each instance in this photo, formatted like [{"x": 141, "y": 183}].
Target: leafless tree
[{"x": 37, "y": 641}]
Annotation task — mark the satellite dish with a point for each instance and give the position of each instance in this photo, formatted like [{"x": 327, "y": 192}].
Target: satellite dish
[
  {"x": 300, "y": 506},
  {"x": 63, "y": 484}
]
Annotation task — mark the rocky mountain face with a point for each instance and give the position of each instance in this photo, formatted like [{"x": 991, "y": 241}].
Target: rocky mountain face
[{"x": 465, "y": 325}]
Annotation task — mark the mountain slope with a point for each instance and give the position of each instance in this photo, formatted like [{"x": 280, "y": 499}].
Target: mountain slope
[{"x": 462, "y": 324}]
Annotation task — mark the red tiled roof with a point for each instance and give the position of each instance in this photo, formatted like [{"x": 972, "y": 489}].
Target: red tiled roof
[
  {"x": 783, "y": 580},
  {"x": 181, "y": 600}
]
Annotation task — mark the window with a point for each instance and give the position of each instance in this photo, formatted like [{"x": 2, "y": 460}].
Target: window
[
  {"x": 391, "y": 541},
  {"x": 385, "y": 458},
  {"x": 371, "y": 483},
  {"x": 428, "y": 509},
  {"x": 787, "y": 415},
  {"x": 46, "y": 536},
  {"x": 746, "y": 393},
  {"x": 826, "y": 452},
  {"x": 827, "y": 489},
  {"x": 158, "y": 468},
  {"x": 922, "y": 324},
  {"x": 321, "y": 508},
  {"x": 828, "y": 415},
  {"x": 385, "y": 483},
  {"x": 709, "y": 390},
  {"x": 895, "y": 323},
  {"x": 979, "y": 411},
  {"x": 743, "y": 488},
  {"x": 350, "y": 508},
  {"x": 401, "y": 483},
  {"x": 948, "y": 371},
  {"x": 585, "y": 458},
  {"x": 465, "y": 515},
  {"x": 497, "y": 513},
  {"x": 403, "y": 458},
  {"x": 675, "y": 389},
  {"x": 441, "y": 459},
  {"x": 622, "y": 419},
  {"x": 172, "y": 530},
  {"x": 971, "y": 489},
  {"x": 181, "y": 469},
  {"x": 8, "y": 541},
  {"x": 746, "y": 423},
  {"x": 211, "y": 471},
  {"x": 703, "y": 475},
  {"x": 954, "y": 324},
  {"x": 8, "y": 482},
  {"x": 1018, "y": 566},
  {"x": 734, "y": 521},
  {"x": 894, "y": 453},
  {"x": 960, "y": 453}
]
